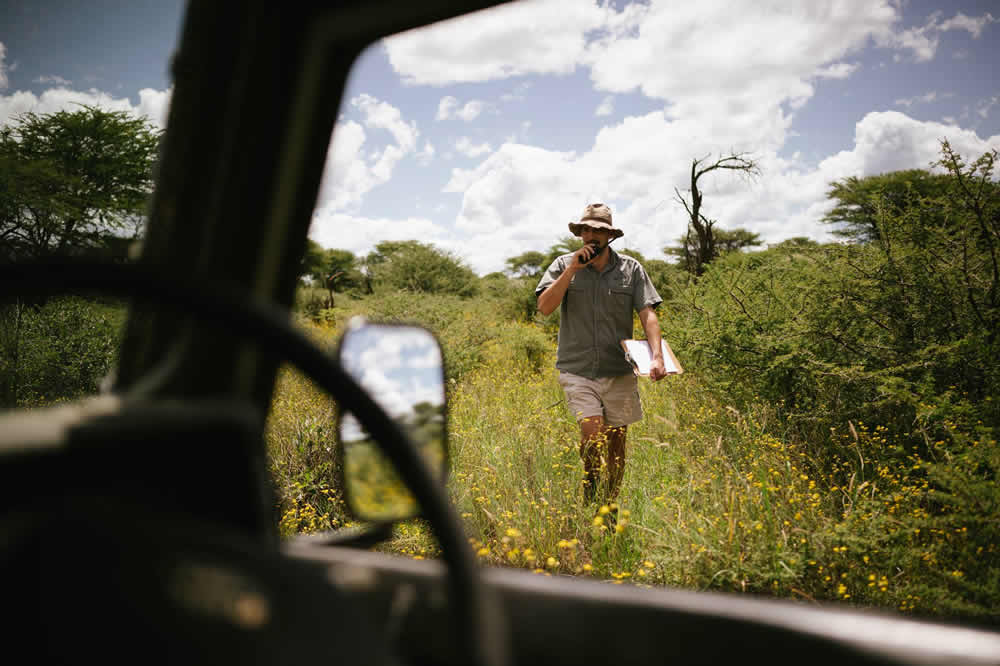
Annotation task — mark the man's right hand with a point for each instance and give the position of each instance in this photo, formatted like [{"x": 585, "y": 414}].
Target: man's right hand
[
  {"x": 581, "y": 257},
  {"x": 550, "y": 299}
]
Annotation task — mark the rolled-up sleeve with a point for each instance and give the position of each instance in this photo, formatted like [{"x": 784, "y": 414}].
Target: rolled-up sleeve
[
  {"x": 551, "y": 275},
  {"x": 644, "y": 294}
]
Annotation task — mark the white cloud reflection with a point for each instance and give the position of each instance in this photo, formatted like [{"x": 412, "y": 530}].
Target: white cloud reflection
[{"x": 399, "y": 366}]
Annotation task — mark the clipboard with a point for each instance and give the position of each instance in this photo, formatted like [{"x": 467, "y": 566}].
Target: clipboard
[{"x": 639, "y": 355}]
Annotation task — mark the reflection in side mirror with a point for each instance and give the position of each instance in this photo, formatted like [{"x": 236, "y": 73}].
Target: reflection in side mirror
[{"x": 402, "y": 370}]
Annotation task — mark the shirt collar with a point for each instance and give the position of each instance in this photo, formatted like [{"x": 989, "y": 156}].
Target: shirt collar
[{"x": 613, "y": 260}]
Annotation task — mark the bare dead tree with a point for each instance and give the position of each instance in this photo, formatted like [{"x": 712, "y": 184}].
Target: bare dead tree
[{"x": 696, "y": 255}]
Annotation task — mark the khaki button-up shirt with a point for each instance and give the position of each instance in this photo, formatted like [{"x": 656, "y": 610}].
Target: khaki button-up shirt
[{"x": 596, "y": 314}]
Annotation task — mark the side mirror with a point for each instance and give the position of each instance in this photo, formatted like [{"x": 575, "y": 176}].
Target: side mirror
[{"x": 401, "y": 368}]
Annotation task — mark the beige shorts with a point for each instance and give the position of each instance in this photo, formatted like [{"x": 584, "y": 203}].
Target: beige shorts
[{"x": 614, "y": 398}]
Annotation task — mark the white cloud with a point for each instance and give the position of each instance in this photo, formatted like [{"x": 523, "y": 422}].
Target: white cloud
[
  {"x": 890, "y": 141},
  {"x": 353, "y": 166},
  {"x": 382, "y": 115},
  {"x": 346, "y": 177},
  {"x": 606, "y": 107},
  {"x": 3, "y": 67},
  {"x": 743, "y": 97},
  {"x": 518, "y": 94},
  {"x": 449, "y": 107},
  {"x": 359, "y": 234},
  {"x": 471, "y": 110},
  {"x": 426, "y": 155},
  {"x": 923, "y": 41},
  {"x": 523, "y": 197},
  {"x": 400, "y": 368},
  {"x": 769, "y": 59},
  {"x": 974, "y": 26},
  {"x": 984, "y": 106},
  {"x": 58, "y": 80},
  {"x": 153, "y": 104},
  {"x": 773, "y": 53},
  {"x": 840, "y": 70},
  {"x": 924, "y": 99},
  {"x": 469, "y": 149},
  {"x": 428, "y": 360},
  {"x": 391, "y": 395},
  {"x": 527, "y": 37},
  {"x": 518, "y": 192},
  {"x": 445, "y": 107}
]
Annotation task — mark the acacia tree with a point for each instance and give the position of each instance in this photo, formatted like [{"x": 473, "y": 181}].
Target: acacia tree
[
  {"x": 860, "y": 202},
  {"x": 334, "y": 269},
  {"x": 527, "y": 264},
  {"x": 565, "y": 245},
  {"x": 72, "y": 181},
  {"x": 700, "y": 237},
  {"x": 419, "y": 267}
]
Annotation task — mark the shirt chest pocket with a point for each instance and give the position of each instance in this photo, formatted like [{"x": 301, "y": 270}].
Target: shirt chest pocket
[{"x": 620, "y": 295}]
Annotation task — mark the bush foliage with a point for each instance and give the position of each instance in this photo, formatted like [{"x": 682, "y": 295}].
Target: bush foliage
[
  {"x": 421, "y": 268},
  {"x": 57, "y": 350}
]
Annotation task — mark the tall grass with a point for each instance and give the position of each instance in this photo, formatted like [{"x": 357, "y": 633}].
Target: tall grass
[{"x": 715, "y": 495}]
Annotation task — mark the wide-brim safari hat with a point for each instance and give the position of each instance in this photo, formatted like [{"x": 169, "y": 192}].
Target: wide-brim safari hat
[{"x": 596, "y": 216}]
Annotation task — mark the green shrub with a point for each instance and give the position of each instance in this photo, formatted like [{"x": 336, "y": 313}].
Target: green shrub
[
  {"x": 868, "y": 331},
  {"x": 60, "y": 349},
  {"x": 515, "y": 297},
  {"x": 516, "y": 344},
  {"x": 304, "y": 459},
  {"x": 735, "y": 480},
  {"x": 417, "y": 267}
]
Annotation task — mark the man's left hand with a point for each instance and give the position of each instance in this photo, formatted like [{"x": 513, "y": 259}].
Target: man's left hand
[{"x": 656, "y": 370}]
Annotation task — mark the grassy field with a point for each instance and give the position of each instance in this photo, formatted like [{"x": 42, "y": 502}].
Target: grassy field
[
  {"x": 723, "y": 490},
  {"x": 715, "y": 496}
]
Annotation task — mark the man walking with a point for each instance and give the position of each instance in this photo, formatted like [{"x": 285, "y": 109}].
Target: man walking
[{"x": 597, "y": 290}]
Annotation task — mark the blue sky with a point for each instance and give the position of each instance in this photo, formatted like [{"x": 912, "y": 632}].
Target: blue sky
[{"x": 487, "y": 134}]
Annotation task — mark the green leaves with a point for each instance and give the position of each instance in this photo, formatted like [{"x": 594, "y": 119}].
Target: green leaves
[
  {"x": 899, "y": 330},
  {"x": 58, "y": 350},
  {"x": 419, "y": 267},
  {"x": 862, "y": 201},
  {"x": 333, "y": 268},
  {"x": 72, "y": 180}
]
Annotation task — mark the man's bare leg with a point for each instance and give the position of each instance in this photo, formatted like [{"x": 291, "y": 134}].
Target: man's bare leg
[
  {"x": 615, "y": 459},
  {"x": 593, "y": 452}
]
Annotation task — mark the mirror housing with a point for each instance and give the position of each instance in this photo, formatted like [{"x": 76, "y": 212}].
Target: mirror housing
[{"x": 402, "y": 369}]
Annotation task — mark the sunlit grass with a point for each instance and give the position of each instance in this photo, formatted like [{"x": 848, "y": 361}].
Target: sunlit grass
[{"x": 715, "y": 495}]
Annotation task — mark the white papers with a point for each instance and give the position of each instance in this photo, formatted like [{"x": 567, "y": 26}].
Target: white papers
[{"x": 640, "y": 355}]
